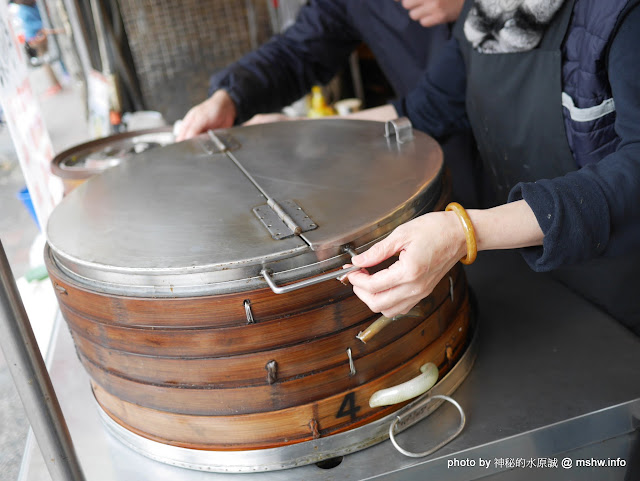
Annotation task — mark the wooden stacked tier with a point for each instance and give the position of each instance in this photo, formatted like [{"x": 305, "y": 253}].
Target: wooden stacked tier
[{"x": 194, "y": 372}]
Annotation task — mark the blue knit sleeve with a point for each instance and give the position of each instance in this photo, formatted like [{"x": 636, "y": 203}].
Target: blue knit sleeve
[
  {"x": 285, "y": 68},
  {"x": 437, "y": 105},
  {"x": 596, "y": 210}
]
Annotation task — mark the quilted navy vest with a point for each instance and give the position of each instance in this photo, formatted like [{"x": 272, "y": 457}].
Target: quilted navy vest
[{"x": 589, "y": 110}]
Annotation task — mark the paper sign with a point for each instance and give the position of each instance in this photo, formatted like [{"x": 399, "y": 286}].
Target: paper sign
[
  {"x": 26, "y": 124},
  {"x": 99, "y": 89}
]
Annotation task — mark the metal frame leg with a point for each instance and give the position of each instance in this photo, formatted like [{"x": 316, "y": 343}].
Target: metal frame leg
[{"x": 32, "y": 381}]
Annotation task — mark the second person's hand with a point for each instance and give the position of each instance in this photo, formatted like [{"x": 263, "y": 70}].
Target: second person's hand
[
  {"x": 217, "y": 112},
  {"x": 433, "y": 12}
]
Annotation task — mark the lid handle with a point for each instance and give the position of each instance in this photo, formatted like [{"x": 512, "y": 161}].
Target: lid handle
[
  {"x": 401, "y": 127},
  {"x": 266, "y": 273}
]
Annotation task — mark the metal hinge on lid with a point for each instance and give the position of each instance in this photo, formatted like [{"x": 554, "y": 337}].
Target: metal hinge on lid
[
  {"x": 284, "y": 219},
  {"x": 219, "y": 143}
]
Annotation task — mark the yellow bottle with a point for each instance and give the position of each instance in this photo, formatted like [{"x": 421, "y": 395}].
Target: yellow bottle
[{"x": 319, "y": 107}]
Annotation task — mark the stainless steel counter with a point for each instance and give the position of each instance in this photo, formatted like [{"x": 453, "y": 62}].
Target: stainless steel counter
[{"x": 555, "y": 378}]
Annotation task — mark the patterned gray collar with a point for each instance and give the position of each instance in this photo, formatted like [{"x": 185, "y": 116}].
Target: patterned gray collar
[{"x": 503, "y": 26}]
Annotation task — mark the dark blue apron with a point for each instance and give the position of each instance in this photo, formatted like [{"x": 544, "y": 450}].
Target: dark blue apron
[
  {"x": 513, "y": 104},
  {"x": 514, "y": 107}
]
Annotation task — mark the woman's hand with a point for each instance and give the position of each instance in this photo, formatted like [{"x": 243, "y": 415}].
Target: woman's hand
[
  {"x": 428, "y": 247},
  {"x": 217, "y": 112},
  {"x": 433, "y": 12}
]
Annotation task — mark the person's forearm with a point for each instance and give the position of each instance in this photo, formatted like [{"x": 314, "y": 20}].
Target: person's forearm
[
  {"x": 437, "y": 104},
  {"x": 428, "y": 247},
  {"x": 382, "y": 114},
  {"x": 284, "y": 69},
  {"x": 507, "y": 226}
]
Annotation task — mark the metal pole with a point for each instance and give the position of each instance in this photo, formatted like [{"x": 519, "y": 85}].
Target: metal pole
[
  {"x": 356, "y": 76},
  {"x": 54, "y": 54},
  {"x": 32, "y": 381},
  {"x": 98, "y": 22}
]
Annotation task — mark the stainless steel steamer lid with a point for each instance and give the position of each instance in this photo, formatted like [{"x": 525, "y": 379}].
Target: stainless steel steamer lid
[{"x": 179, "y": 220}]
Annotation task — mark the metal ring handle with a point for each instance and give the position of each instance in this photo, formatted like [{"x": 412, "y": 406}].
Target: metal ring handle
[
  {"x": 463, "y": 421},
  {"x": 305, "y": 282}
]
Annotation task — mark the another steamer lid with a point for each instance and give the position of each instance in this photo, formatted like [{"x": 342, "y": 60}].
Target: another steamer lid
[
  {"x": 90, "y": 158},
  {"x": 193, "y": 218}
]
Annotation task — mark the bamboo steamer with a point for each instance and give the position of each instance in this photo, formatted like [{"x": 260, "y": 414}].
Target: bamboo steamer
[{"x": 169, "y": 269}]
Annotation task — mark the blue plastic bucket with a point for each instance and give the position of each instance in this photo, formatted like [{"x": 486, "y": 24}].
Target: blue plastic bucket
[{"x": 25, "y": 197}]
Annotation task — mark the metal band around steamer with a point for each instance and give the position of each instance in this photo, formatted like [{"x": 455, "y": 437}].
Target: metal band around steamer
[
  {"x": 294, "y": 455},
  {"x": 207, "y": 280}
]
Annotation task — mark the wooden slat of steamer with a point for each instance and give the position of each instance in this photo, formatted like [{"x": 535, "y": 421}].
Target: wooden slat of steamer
[
  {"x": 263, "y": 430},
  {"x": 204, "y": 311},
  {"x": 235, "y": 371},
  {"x": 208, "y": 342},
  {"x": 274, "y": 397},
  {"x": 315, "y": 354},
  {"x": 221, "y": 342}
]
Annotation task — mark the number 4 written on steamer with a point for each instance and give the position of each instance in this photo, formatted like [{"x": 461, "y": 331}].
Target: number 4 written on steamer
[{"x": 348, "y": 407}]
